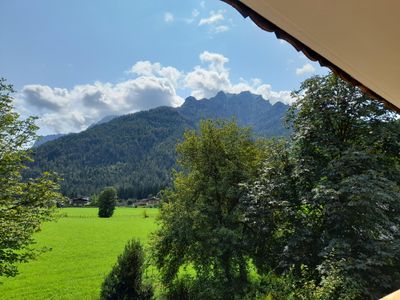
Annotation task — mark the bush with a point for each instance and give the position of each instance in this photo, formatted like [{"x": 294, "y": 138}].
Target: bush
[
  {"x": 106, "y": 202},
  {"x": 180, "y": 289},
  {"x": 125, "y": 279},
  {"x": 94, "y": 200}
]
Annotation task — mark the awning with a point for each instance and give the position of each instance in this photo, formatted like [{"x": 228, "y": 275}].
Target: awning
[{"x": 359, "y": 40}]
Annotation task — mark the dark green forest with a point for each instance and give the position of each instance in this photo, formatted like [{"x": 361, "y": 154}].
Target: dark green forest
[{"x": 136, "y": 152}]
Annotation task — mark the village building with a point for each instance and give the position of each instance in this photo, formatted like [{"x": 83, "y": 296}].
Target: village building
[
  {"x": 147, "y": 202},
  {"x": 79, "y": 201}
]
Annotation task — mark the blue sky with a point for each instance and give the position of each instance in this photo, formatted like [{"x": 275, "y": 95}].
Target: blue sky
[{"x": 74, "y": 62}]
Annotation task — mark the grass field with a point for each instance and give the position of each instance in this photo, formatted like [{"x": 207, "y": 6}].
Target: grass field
[{"x": 83, "y": 250}]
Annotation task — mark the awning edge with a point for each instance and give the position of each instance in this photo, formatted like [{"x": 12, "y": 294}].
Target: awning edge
[{"x": 266, "y": 25}]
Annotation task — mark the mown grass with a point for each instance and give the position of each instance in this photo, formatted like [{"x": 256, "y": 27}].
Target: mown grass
[{"x": 83, "y": 250}]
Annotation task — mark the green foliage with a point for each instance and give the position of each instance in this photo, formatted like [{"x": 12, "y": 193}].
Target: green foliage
[
  {"x": 182, "y": 289},
  {"x": 134, "y": 153},
  {"x": 23, "y": 205},
  {"x": 106, "y": 202},
  {"x": 94, "y": 200},
  {"x": 330, "y": 199},
  {"x": 125, "y": 280},
  {"x": 294, "y": 286},
  {"x": 267, "y": 208},
  {"x": 201, "y": 219}
]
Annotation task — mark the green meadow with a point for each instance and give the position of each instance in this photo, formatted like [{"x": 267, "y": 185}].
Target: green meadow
[{"x": 83, "y": 250}]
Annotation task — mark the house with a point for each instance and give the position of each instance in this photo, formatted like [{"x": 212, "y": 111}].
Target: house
[
  {"x": 80, "y": 201},
  {"x": 147, "y": 202}
]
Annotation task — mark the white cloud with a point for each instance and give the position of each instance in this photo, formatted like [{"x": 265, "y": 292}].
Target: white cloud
[
  {"x": 168, "y": 17},
  {"x": 305, "y": 69},
  {"x": 46, "y": 98},
  {"x": 206, "y": 81},
  {"x": 146, "y": 68},
  {"x": 214, "y": 17},
  {"x": 216, "y": 22},
  {"x": 63, "y": 110},
  {"x": 221, "y": 28},
  {"x": 217, "y": 61},
  {"x": 203, "y": 4}
]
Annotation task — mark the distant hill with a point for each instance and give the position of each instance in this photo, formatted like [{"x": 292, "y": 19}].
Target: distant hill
[
  {"x": 103, "y": 120},
  {"x": 46, "y": 138},
  {"x": 136, "y": 152},
  {"x": 51, "y": 137}
]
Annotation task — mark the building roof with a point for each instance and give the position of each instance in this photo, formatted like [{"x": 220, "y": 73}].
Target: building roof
[
  {"x": 392, "y": 296},
  {"x": 357, "y": 39},
  {"x": 80, "y": 199}
]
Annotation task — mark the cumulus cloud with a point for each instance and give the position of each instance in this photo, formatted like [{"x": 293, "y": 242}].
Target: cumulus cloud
[
  {"x": 213, "y": 76},
  {"x": 306, "y": 69},
  {"x": 206, "y": 81},
  {"x": 63, "y": 110},
  {"x": 45, "y": 98},
  {"x": 146, "y": 68},
  {"x": 217, "y": 61},
  {"x": 168, "y": 17},
  {"x": 149, "y": 85}
]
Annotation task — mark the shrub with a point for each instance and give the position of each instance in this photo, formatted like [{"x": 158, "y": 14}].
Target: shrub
[
  {"x": 94, "y": 200},
  {"x": 180, "y": 289},
  {"x": 106, "y": 202},
  {"x": 125, "y": 279}
]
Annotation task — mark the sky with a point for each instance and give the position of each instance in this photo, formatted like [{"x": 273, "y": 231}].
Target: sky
[{"x": 74, "y": 62}]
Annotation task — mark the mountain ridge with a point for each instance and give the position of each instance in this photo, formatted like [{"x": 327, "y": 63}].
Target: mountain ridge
[{"x": 136, "y": 152}]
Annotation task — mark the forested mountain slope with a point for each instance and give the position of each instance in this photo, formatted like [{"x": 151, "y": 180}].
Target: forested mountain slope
[{"x": 136, "y": 152}]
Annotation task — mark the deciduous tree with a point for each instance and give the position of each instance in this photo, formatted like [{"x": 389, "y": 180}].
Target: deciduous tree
[
  {"x": 201, "y": 221},
  {"x": 24, "y": 205},
  {"x": 331, "y": 200},
  {"x": 107, "y": 200}
]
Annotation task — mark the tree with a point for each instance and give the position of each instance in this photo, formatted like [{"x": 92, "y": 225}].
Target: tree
[
  {"x": 268, "y": 212},
  {"x": 94, "y": 200},
  {"x": 24, "y": 205},
  {"x": 201, "y": 219},
  {"x": 330, "y": 200},
  {"x": 106, "y": 202},
  {"x": 125, "y": 279}
]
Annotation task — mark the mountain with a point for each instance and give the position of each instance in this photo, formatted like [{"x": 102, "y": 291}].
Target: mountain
[
  {"x": 51, "y": 137},
  {"x": 103, "y": 120},
  {"x": 136, "y": 152},
  {"x": 246, "y": 108},
  {"x": 47, "y": 138}
]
